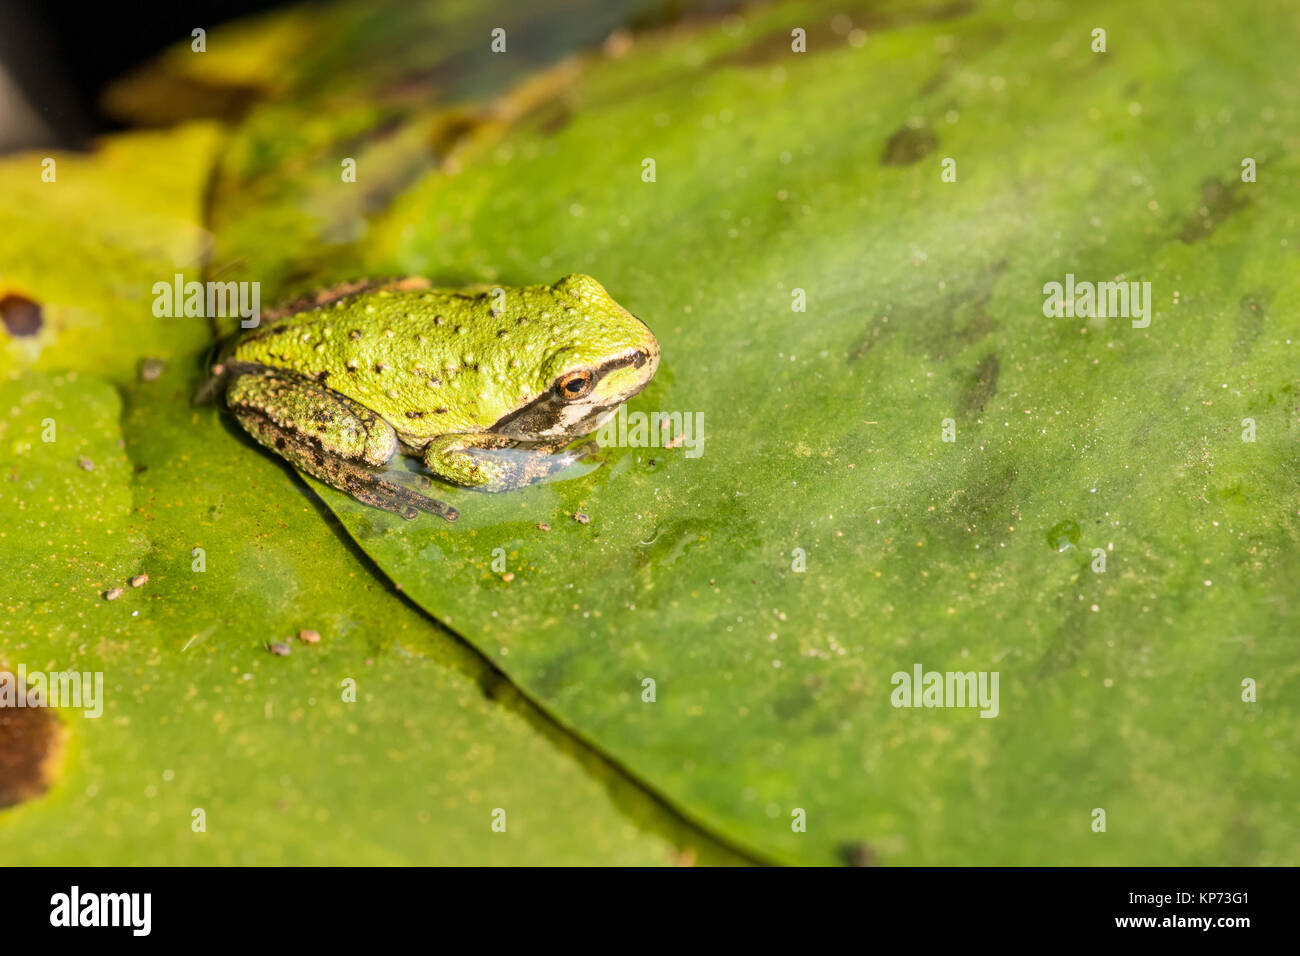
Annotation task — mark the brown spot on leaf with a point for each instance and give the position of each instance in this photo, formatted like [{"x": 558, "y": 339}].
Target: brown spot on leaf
[
  {"x": 909, "y": 145},
  {"x": 31, "y": 746},
  {"x": 21, "y": 315}
]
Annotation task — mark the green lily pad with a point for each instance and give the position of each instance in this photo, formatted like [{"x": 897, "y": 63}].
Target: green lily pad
[
  {"x": 828, "y": 537},
  {"x": 85, "y": 249},
  {"x": 152, "y": 547},
  {"x": 1112, "y": 528}
]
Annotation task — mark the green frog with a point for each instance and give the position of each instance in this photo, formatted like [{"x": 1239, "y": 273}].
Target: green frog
[{"x": 486, "y": 388}]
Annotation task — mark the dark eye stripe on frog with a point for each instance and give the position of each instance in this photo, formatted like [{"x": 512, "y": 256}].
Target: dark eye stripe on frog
[
  {"x": 636, "y": 358},
  {"x": 548, "y": 410}
]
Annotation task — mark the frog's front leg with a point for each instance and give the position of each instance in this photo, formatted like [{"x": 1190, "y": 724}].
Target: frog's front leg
[
  {"x": 491, "y": 462},
  {"x": 328, "y": 436}
]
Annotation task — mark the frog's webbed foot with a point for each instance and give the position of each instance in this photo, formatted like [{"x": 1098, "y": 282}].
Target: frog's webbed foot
[
  {"x": 489, "y": 462},
  {"x": 329, "y": 437}
]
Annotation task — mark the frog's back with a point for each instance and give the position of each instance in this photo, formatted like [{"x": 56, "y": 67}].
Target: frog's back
[
  {"x": 438, "y": 361},
  {"x": 377, "y": 326},
  {"x": 430, "y": 361}
]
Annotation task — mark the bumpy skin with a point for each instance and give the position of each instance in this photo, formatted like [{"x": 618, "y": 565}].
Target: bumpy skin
[{"x": 486, "y": 388}]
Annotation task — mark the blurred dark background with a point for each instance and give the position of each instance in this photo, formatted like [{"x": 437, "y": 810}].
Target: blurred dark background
[{"x": 55, "y": 58}]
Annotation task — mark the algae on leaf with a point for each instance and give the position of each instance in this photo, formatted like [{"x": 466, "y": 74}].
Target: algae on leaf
[
  {"x": 388, "y": 741},
  {"x": 906, "y": 464},
  {"x": 829, "y": 538}
]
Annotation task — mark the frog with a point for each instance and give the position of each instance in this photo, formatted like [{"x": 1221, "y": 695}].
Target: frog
[{"x": 487, "y": 388}]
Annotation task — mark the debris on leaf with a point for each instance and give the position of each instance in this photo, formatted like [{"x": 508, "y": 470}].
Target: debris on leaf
[{"x": 151, "y": 369}]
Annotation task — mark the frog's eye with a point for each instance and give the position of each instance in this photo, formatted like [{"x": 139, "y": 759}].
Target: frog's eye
[{"x": 574, "y": 384}]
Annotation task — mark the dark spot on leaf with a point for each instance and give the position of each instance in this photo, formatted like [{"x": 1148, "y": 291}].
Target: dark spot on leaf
[
  {"x": 937, "y": 80},
  {"x": 1217, "y": 203},
  {"x": 959, "y": 316},
  {"x": 982, "y": 508},
  {"x": 553, "y": 117},
  {"x": 1250, "y": 323},
  {"x": 31, "y": 743},
  {"x": 908, "y": 145},
  {"x": 791, "y": 705},
  {"x": 856, "y": 854},
  {"x": 982, "y": 385},
  {"x": 21, "y": 315}
]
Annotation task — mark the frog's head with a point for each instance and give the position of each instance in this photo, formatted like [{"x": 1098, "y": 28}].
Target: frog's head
[{"x": 598, "y": 356}]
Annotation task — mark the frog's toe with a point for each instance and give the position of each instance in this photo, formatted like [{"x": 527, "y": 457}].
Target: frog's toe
[{"x": 399, "y": 499}]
